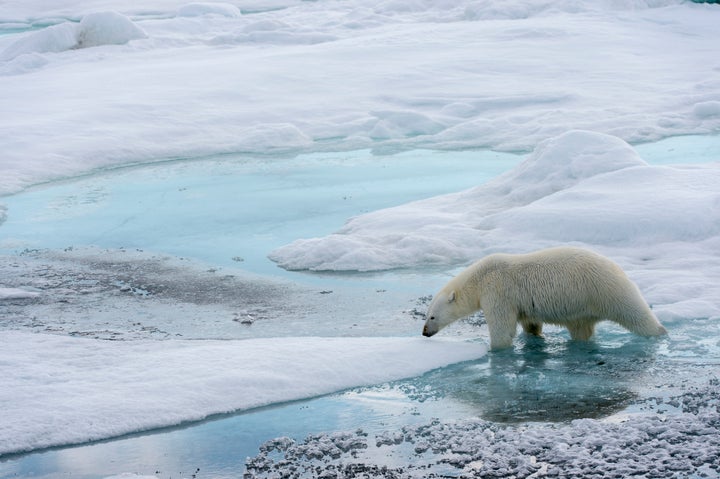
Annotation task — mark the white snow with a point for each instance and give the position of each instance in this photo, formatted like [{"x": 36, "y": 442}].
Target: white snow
[
  {"x": 61, "y": 390},
  {"x": 198, "y": 78}
]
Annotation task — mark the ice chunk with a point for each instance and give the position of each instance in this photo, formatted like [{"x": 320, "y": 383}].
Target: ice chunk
[{"x": 107, "y": 28}]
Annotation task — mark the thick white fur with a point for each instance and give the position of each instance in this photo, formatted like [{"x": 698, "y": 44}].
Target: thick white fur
[{"x": 572, "y": 287}]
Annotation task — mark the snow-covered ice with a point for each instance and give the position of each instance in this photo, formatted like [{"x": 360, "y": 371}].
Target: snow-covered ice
[
  {"x": 59, "y": 390},
  {"x": 294, "y": 76},
  {"x": 249, "y": 88}
]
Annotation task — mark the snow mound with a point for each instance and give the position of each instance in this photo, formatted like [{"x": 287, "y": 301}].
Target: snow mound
[
  {"x": 208, "y": 8},
  {"x": 95, "y": 29},
  {"x": 707, "y": 109},
  {"x": 107, "y": 28},
  {"x": 107, "y": 390},
  {"x": 458, "y": 227}
]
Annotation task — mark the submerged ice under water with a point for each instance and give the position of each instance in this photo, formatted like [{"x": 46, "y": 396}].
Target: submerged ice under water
[{"x": 616, "y": 376}]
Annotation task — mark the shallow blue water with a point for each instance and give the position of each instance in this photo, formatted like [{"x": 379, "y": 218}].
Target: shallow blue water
[{"x": 233, "y": 211}]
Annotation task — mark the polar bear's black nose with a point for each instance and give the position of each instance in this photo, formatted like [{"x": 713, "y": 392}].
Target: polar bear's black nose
[{"x": 426, "y": 332}]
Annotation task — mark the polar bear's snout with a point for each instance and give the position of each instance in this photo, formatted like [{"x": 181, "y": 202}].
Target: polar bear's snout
[
  {"x": 429, "y": 331},
  {"x": 440, "y": 313}
]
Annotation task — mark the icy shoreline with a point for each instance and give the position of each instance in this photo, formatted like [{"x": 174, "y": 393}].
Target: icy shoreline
[
  {"x": 683, "y": 443},
  {"x": 61, "y": 391}
]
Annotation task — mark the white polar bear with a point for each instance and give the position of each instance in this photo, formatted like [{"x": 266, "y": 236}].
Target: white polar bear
[{"x": 572, "y": 287}]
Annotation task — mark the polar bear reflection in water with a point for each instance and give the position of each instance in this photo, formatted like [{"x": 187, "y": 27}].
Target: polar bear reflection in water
[{"x": 565, "y": 286}]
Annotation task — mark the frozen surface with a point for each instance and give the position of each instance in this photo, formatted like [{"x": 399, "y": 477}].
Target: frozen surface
[
  {"x": 144, "y": 296},
  {"x": 264, "y": 94},
  {"x": 59, "y": 390},
  {"x": 176, "y": 79}
]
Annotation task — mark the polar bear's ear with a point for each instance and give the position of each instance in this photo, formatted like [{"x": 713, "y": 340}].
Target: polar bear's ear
[{"x": 451, "y": 297}]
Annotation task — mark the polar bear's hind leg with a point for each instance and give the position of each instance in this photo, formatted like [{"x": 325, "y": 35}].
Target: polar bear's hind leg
[
  {"x": 640, "y": 320},
  {"x": 581, "y": 330}
]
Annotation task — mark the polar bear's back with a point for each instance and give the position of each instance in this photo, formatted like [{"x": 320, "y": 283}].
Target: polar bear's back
[{"x": 562, "y": 284}]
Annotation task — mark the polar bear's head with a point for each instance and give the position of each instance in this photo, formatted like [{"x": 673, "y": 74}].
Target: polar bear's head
[{"x": 443, "y": 310}]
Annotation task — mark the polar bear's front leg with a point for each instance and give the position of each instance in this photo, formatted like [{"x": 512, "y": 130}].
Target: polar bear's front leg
[{"x": 502, "y": 324}]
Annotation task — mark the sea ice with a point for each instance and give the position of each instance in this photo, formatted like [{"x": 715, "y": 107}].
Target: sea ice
[
  {"x": 168, "y": 79},
  {"x": 291, "y": 76},
  {"x": 60, "y": 390}
]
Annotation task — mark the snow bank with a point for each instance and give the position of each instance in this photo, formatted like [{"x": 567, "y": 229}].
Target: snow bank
[
  {"x": 295, "y": 77},
  {"x": 101, "y": 28},
  {"x": 107, "y": 28},
  {"x": 60, "y": 390}
]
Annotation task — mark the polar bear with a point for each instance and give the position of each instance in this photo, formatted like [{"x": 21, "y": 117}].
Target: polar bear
[{"x": 567, "y": 286}]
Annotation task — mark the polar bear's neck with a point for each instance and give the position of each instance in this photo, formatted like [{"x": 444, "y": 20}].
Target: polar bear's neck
[{"x": 468, "y": 288}]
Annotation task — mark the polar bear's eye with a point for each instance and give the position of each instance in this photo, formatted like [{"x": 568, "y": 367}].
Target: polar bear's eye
[{"x": 432, "y": 317}]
